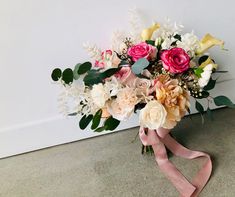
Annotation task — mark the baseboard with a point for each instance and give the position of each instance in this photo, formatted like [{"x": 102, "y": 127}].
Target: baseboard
[{"x": 41, "y": 134}]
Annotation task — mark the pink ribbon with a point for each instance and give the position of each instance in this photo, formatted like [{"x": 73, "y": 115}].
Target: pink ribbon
[{"x": 160, "y": 138}]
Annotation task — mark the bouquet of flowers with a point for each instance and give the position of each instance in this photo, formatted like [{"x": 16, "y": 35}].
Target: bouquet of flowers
[{"x": 156, "y": 72}]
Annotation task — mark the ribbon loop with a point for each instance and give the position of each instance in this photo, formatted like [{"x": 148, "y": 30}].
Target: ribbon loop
[{"x": 160, "y": 138}]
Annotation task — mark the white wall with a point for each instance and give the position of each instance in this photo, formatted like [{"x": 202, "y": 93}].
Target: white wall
[{"x": 36, "y": 36}]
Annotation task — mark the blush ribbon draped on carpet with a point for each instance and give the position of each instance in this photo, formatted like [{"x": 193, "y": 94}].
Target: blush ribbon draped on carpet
[{"x": 160, "y": 138}]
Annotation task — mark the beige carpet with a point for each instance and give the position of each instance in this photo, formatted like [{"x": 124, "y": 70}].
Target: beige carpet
[{"x": 112, "y": 166}]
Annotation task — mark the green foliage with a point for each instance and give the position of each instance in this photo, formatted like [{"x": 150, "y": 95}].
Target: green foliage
[
  {"x": 204, "y": 94},
  {"x": 92, "y": 77},
  {"x": 85, "y": 120},
  {"x": 100, "y": 129},
  {"x": 199, "y": 107},
  {"x": 177, "y": 36},
  {"x": 111, "y": 123},
  {"x": 96, "y": 119},
  {"x": 108, "y": 73},
  {"x": 202, "y": 59},
  {"x": 151, "y": 42},
  {"x": 210, "y": 85},
  {"x": 56, "y": 74},
  {"x": 139, "y": 65},
  {"x": 198, "y": 71},
  {"x": 67, "y": 75},
  {"x": 223, "y": 100},
  {"x": 95, "y": 77},
  {"x": 75, "y": 71},
  {"x": 83, "y": 68}
]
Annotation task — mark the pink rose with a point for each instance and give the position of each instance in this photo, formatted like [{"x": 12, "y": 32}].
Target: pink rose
[
  {"x": 142, "y": 50},
  {"x": 105, "y": 57},
  {"x": 126, "y": 76},
  {"x": 175, "y": 60}
]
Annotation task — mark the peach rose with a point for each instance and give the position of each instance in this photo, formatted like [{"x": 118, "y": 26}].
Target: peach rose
[{"x": 174, "y": 98}]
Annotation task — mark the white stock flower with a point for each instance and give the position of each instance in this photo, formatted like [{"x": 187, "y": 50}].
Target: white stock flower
[
  {"x": 153, "y": 115},
  {"x": 99, "y": 95},
  {"x": 205, "y": 76},
  {"x": 112, "y": 85},
  {"x": 189, "y": 42}
]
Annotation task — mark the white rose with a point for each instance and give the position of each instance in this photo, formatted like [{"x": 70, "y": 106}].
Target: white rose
[
  {"x": 99, "y": 95},
  {"x": 153, "y": 115},
  {"x": 205, "y": 76}
]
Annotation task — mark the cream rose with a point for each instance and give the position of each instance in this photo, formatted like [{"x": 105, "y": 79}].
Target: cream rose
[
  {"x": 99, "y": 95},
  {"x": 119, "y": 112},
  {"x": 153, "y": 115},
  {"x": 142, "y": 85}
]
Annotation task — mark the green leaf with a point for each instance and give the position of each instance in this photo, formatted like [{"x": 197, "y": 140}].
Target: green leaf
[
  {"x": 56, "y": 74},
  {"x": 202, "y": 59},
  {"x": 111, "y": 123},
  {"x": 199, "y": 107},
  {"x": 85, "y": 120},
  {"x": 223, "y": 100},
  {"x": 96, "y": 119},
  {"x": 209, "y": 113},
  {"x": 151, "y": 42},
  {"x": 92, "y": 77},
  {"x": 139, "y": 65},
  {"x": 83, "y": 68},
  {"x": 100, "y": 129},
  {"x": 210, "y": 85},
  {"x": 75, "y": 71},
  {"x": 67, "y": 75},
  {"x": 108, "y": 73},
  {"x": 198, "y": 71},
  {"x": 204, "y": 94}
]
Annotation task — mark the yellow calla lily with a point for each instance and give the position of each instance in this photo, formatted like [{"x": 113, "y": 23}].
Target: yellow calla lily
[
  {"x": 207, "y": 42},
  {"x": 148, "y": 32},
  {"x": 208, "y": 61}
]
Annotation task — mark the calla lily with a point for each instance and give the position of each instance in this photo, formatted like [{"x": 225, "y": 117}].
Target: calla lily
[
  {"x": 207, "y": 42},
  {"x": 148, "y": 32},
  {"x": 208, "y": 61}
]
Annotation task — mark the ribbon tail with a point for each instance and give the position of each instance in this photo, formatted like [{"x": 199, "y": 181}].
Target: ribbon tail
[
  {"x": 202, "y": 177},
  {"x": 184, "y": 187}
]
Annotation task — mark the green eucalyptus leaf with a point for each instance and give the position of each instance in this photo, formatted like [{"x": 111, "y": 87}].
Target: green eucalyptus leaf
[
  {"x": 199, "y": 107},
  {"x": 223, "y": 100},
  {"x": 139, "y": 65},
  {"x": 210, "y": 85},
  {"x": 75, "y": 71},
  {"x": 100, "y": 129},
  {"x": 92, "y": 77},
  {"x": 111, "y": 123},
  {"x": 67, "y": 75},
  {"x": 83, "y": 68},
  {"x": 108, "y": 73},
  {"x": 85, "y": 120},
  {"x": 56, "y": 74},
  {"x": 96, "y": 119}
]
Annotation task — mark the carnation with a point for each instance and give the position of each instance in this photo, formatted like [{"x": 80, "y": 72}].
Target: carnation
[{"x": 99, "y": 95}]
